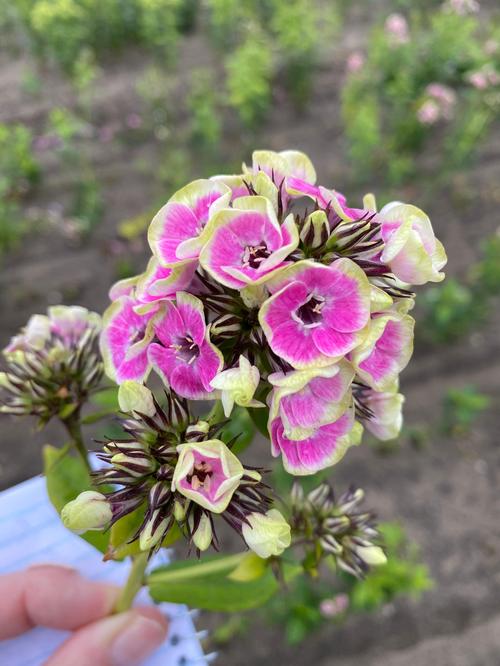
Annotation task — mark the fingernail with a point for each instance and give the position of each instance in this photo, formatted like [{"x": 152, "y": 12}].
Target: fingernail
[{"x": 144, "y": 631}]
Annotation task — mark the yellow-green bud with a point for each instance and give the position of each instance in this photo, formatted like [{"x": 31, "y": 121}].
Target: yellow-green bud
[
  {"x": 180, "y": 510},
  {"x": 89, "y": 511},
  {"x": 374, "y": 556},
  {"x": 153, "y": 531},
  {"x": 135, "y": 397},
  {"x": 202, "y": 538},
  {"x": 267, "y": 534}
]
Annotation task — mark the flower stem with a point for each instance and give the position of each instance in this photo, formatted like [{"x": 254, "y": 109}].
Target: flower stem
[
  {"x": 134, "y": 583},
  {"x": 73, "y": 426}
]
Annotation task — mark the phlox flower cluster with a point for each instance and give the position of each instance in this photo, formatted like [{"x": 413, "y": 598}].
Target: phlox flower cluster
[{"x": 267, "y": 290}]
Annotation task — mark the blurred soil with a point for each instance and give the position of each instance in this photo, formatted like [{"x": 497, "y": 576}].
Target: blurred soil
[{"x": 445, "y": 494}]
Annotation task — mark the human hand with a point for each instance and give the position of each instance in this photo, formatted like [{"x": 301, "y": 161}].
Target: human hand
[{"x": 58, "y": 597}]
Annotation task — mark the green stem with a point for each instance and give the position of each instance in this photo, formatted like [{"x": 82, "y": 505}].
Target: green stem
[
  {"x": 73, "y": 426},
  {"x": 134, "y": 583}
]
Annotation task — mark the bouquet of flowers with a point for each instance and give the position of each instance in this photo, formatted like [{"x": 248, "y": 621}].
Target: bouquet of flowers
[{"x": 271, "y": 298}]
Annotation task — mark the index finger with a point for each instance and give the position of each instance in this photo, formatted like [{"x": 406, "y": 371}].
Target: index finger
[{"x": 51, "y": 596}]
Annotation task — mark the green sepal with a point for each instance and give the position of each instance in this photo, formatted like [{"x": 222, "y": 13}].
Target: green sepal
[{"x": 66, "y": 477}]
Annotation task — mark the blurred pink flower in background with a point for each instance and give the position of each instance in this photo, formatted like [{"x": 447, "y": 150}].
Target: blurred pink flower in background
[
  {"x": 335, "y": 606},
  {"x": 133, "y": 121},
  {"x": 46, "y": 142},
  {"x": 396, "y": 29},
  {"x": 355, "y": 62},
  {"x": 439, "y": 104},
  {"x": 462, "y": 7},
  {"x": 444, "y": 96},
  {"x": 428, "y": 113},
  {"x": 106, "y": 133},
  {"x": 483, "y": 78}
]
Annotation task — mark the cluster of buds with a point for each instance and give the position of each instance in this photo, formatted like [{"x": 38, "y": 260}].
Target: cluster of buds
[
  {"x": 265, "y": 289},
  {"x": 52, "y": 365},
  {"x": 176, "y": 469},
  {"x": 335, "y": 528}
]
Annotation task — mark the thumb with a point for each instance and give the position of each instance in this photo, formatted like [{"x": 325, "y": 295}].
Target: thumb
[{"x": 119, "y": 640}]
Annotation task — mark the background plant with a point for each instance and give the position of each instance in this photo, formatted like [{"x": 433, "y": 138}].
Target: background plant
[{"x": 416, "y": 84}]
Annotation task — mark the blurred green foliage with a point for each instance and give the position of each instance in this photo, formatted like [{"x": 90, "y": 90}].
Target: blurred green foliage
[
  {"x": 18, "y": 166},
  {"x": 61, "y": 29},
  {"x": 454, "y": 309},
  {"x": 249, "y": 75},
  {"x": 382, "y": 100},
  {"x": 461, "y": 408},
  {"x": 300, "y": 609},
  {"x": 19, "y": 170}
]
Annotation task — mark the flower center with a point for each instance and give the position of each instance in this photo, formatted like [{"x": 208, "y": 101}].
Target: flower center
[
  {"x": 254, "y": 255},
  {"x": 186, "y": 348},
  {"x": 201, "y": 476},
  {"x": 309, "y": 313},
  {"x": 137, "y": 334}
]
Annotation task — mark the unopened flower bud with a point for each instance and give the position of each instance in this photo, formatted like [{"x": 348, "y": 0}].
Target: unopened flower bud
[
  {"x": 202, "y": 537},
  {"x": 196, "y": 432},
  {"x": 89, "y": 511},
  {"x": 296, "y": 494},
  {"x": 180, "y": 511},
  {"x": 316, "y": 230},
  {"x": 238, "y": 385},
  {"x": 153, "y": 531},
  {"x": 330, "y": 544},
  {"x": 226, "y": 326},
  {"x": 136, "y": 464},
  {"x": 253, "y": 474},
  {"x": 373, "y": 556},
  {"x": 267, "y": 534},
  {"x": 135, "y": 397},
  {"x": 159, "y": 494}
]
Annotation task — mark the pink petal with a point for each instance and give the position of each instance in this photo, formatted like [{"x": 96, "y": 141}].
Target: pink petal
[
  {"x": 294, "y": 343},
  {"x": 208, "y": 364},
  {"x": 169, "y": 325},
  {"x": 186, "y": 381},
  {"x": 179, "y": 224},
  {"x": 333, "y": 343},
  {"x": 193, "y": 322}
]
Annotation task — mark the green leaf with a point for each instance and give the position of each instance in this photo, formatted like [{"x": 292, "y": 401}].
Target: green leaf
[
  {"x": 240, "y": 424},
  {"x": 95, "y": 417},
  {"x": 260, "y": 417},
  {"x": 67, "y": 410},
  {"x": 66, "y": 477},
  {"x": 106, "y": 398},
  {"x": 207, "y": 584}
]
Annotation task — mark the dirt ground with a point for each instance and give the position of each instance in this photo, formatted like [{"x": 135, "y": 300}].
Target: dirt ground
[{"x": 446, "y": 495}]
